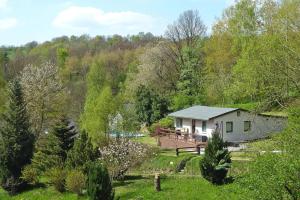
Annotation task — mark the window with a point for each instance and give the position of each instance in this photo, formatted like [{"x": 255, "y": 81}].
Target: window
[
  {"x": 247, "y": 126},
  {"x": 238, "y": 113},
  {"x": 203, "y": 126},
  {"x": 229, "y": 127},
  {"x": 178, "y": 123}
]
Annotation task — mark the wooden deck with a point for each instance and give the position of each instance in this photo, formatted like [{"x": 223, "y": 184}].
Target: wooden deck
[{"x": 171, "y": 139}]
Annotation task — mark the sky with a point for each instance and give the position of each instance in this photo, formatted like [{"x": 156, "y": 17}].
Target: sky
[{"x": 23, "y": 21}]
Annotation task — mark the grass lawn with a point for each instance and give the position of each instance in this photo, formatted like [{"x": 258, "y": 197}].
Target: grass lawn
[
  {"x": 146, "y": 140},
  {"x": 173, "y": 187},
  {"x": 47, "y": 193}
]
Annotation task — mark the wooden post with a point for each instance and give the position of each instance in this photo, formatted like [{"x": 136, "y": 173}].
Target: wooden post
[
  {"x": 177, "y": 152},
  {"x": 198, "y": 149},
  {"x": 157, "y": 182}
]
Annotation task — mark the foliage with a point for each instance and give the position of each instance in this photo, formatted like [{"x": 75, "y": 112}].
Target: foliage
[
  {"x": 48, "y": 153},
  {"x": 99, "y": 183},
  {"x": 57, "y": 178},
  {"x": 16, "y": 140},
  {"x": 82, "y": 153},
  {"x": 149, "y": 106},
  {"x": 99, "y": 106},
  {"x": 216, "y": 162},
  {"x": 122, "y": 154},
  {"x": 274, "y": 176},
  {"x": 166, "y": 122},
  {"x": 30, "y": 175},
  {"x": 76, "y": 181},
  {"x": 44, "y": 95},
  {"x": 65, "y": 131}
]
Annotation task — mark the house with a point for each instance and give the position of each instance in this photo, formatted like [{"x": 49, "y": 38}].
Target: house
[{"x": 233, "y": 124}]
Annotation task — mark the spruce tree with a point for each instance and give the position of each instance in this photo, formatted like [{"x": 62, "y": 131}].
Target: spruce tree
[
  {"x": 82, "y": 153},
  {"x": 99, "y": 183},
  {"x": 48, "y": 153},
  {"x": 16, "y": 140},
  {"x": 216, "y": 162},
  {"x": 65, "y": 131}
]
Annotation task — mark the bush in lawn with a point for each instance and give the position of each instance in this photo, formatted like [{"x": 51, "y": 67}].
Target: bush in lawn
[
  {"x": 121, "y": 154},
  {"x": 57, "y": 177},
  {"x": 216, "y": 162},
  {"x": 30, "y": 174},
  {"x": 99, "y": 183},
  {"x": 76, "y": 181}
]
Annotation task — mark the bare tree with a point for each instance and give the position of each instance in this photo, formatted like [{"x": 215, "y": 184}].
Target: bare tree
[{"x": 187, "y": 30}]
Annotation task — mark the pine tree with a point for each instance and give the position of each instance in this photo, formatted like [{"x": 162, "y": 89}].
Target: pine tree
[
  {"x": 48, "y": 153},
  {"x": 99, "y": 183},
  {"x": 216, "y": 162},
  {"x": 65, "y": 131},
  {"x": 16, "y": 140},
  {"x": 82, "y": 153}
]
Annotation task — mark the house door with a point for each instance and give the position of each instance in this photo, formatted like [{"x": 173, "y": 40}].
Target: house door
[{"x": 193, "y": 126}]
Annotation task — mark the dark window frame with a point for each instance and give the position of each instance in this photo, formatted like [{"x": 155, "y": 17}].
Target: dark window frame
[
  {"x": 204, "y": 124},
  {"x": 249, "y": 127},
  {"x": 179, "y": 122},
  {"x": 231, "y": 130}
]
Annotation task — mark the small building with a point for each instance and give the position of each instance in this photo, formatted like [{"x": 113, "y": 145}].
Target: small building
[{"x": 233, "y": 124}]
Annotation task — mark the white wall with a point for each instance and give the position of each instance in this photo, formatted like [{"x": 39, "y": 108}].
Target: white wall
[
  {"x": 261, "y": 126},
  {"x": 187, "y": 124}
]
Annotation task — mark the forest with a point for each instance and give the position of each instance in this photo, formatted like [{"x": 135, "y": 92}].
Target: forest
[
  {"x": 251, "y": 56},
  {"x": 250, "y": 59}
]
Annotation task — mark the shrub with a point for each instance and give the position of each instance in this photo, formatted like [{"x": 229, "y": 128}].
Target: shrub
[
  {"x": 99, "y": 183},
  {"x": 30, "y": 175},
  {"x": 121, "y": 154},
  {"x": 82, "y": 153},
  {"x": 166, "y": 122},
  {"x": 57, "y": 177},
  {"x": 216, "y": 162},
  {"x": 75, "y": 181}
]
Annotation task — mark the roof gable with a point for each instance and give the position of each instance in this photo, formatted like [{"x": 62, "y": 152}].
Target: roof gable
[{"x": 201, "y": 112}]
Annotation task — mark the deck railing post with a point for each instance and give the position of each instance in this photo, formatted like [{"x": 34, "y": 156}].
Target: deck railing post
[
  {"x": 157, "y": 182},
  {"x": 198, "y": 149}
]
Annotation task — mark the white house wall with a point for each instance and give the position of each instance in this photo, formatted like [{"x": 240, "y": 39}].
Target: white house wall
[
  {"x": 261, "y": 126},
  {"x": 187, "y": 124}
]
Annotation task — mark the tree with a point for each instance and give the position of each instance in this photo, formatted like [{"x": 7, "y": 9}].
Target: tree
[
  {"x": 97, "y": 112},
  {"x": 82, "y": 153},
  {"x": 276, "y": 175},
  {"x": 48, "y": 153},
  {"x": 216, "y": 162},
  {"x": 44, "y": 95},
  {"x": 16, "y": 140},
  {"x": 66, "y": 132},
  {"x": 99, "y": 183},
  {"x": 62, "y": 55},
  {"x": 149, "y": 106}
]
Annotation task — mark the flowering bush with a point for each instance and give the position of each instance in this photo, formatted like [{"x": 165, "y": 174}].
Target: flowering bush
[{"x": 121, "y": 154}]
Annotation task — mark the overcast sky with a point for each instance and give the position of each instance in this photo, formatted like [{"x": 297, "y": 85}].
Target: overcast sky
[{"x": 22, "y": 21}]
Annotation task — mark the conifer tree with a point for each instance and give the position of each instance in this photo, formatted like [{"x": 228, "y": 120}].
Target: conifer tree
[
  {"x": 16, "y": 140},
  {"x": 82, "y": 153},
  {"x": 65, "y": 131},
  {"x": 48, "y": 153},
  {"x": 216, "y": 162},
  {"x": 99, "y": 183}
]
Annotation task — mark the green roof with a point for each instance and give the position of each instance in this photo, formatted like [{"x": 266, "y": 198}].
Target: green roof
[{"x": 201, "y": 112}]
